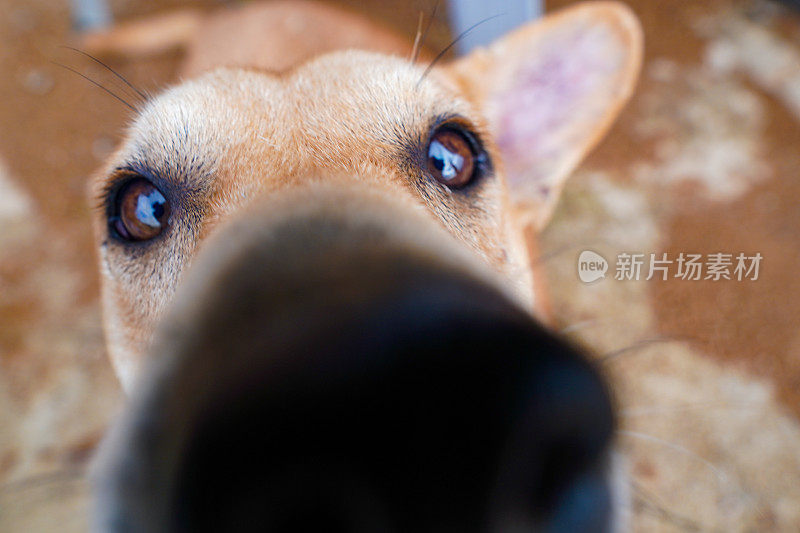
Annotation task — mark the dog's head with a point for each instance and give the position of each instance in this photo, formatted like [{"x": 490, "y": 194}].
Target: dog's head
[
  {"x": 344, "y": 251},
  {"x": 481, "y": 147}
]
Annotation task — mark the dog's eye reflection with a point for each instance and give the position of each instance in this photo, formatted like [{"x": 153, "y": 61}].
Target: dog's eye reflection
[
  {"x": 140, "y": 212},
  {"x": 450, "y": 158}
]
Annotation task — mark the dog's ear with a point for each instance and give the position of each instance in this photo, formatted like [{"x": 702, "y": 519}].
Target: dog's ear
[{"x": 550, "y": 90}]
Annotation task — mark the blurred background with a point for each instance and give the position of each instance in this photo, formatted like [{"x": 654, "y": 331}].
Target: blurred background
[{"x": 704, "y": 159}]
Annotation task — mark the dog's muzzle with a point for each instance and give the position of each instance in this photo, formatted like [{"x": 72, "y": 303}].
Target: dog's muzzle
[{"x": 331, "y": 363}]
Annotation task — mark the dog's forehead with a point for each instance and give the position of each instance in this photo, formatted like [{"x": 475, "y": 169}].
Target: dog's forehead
[
  {"x": 362, "y": 95},
  {"x": 322, "y": 113},
  {"x": 199, "y": 121}
]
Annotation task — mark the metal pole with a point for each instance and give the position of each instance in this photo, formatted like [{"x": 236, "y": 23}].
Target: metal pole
[
  {"x": 90, "y": 15},
  {"x": 512, "y": 13}
]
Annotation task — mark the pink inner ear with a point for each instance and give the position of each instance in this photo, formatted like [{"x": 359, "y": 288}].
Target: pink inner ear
[{"x": 553, "y": 101}]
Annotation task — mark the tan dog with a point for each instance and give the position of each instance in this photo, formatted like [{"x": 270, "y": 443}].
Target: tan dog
[{"x": 481, "y": 146}]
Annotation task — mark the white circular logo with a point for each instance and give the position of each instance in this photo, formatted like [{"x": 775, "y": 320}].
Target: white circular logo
[{"x": 591, "y": 266}]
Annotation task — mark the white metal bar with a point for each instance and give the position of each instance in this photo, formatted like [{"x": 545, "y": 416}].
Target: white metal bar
[{"x": 512, "y": 13}]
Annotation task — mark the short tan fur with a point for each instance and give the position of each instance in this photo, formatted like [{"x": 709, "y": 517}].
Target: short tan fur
[{"x": 284, "y": 95}]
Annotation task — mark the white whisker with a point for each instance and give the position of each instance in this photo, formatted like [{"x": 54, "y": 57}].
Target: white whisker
[
  {"x": 644, "y": 343},
  {"x": 722, "y": 478},
  {"x": 655, "y": 409},
  {"x": 415, "y": 48},
  {"x": 578, "y": 326}
]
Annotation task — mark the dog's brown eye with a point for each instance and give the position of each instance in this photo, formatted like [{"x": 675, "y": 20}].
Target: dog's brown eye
[
  {"x": 450, "y": 158},
  {"x": 141, "y": 211}
]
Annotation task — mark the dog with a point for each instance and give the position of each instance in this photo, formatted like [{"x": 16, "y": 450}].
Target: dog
[
  {"x": 323, "y": 120},
  {"x": 523, "y": 112}
]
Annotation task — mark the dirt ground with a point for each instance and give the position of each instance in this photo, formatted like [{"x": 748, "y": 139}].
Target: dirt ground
[{"x": 705, "y": 159}]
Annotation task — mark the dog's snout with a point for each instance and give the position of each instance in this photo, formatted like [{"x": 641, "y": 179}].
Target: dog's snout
[
  {"x": 326, "y": 368},
  {"x": 556, "y": 473}
]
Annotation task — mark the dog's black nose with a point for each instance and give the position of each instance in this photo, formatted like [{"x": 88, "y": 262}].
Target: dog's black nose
[{"x": 330, "y": 373}]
